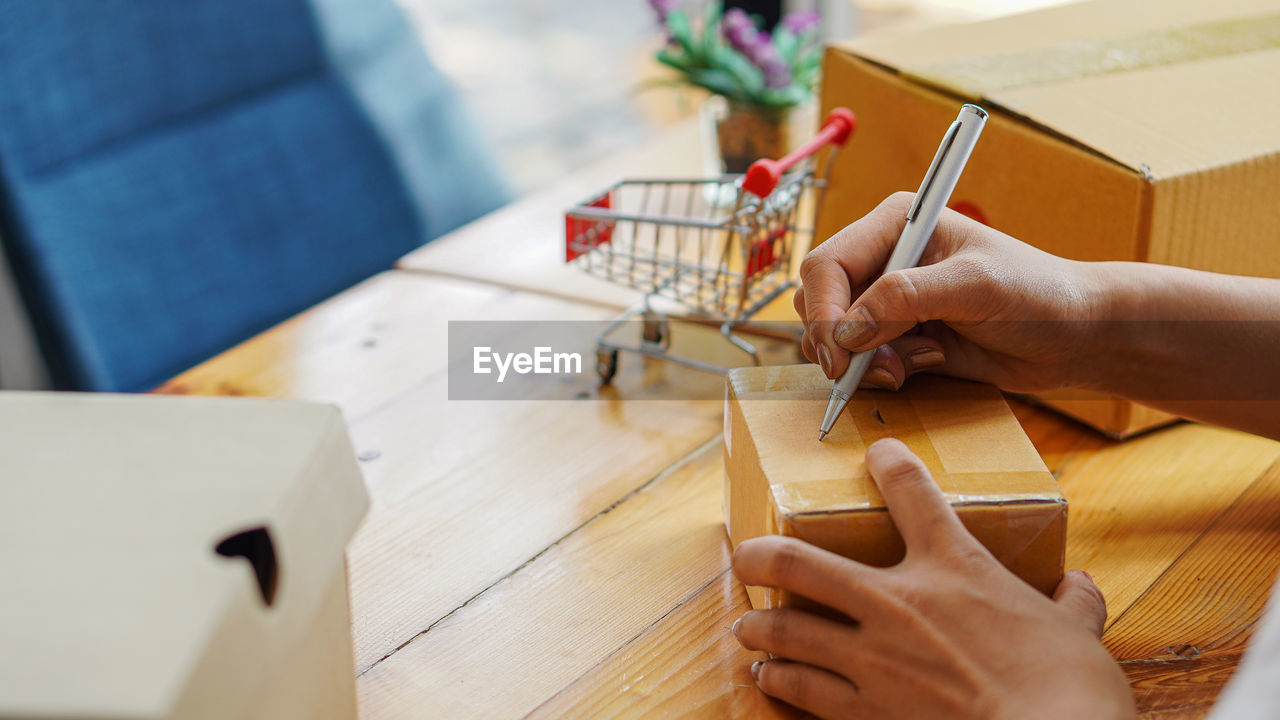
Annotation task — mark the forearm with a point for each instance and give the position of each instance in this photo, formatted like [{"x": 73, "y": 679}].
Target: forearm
[{"x": 1198, "y": 344}]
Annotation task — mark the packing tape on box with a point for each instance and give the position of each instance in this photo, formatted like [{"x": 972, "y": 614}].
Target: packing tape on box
[
  {"x": 982, "y": 76},
  {"x": 875, "y": 425},
  {"x": 903, "y": 417}
]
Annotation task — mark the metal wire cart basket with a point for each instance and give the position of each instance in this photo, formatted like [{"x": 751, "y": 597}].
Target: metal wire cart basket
[{"x": 719, "y": 247}]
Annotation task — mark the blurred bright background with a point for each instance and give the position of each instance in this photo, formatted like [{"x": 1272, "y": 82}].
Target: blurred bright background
[{"x": 557, "y": 84}]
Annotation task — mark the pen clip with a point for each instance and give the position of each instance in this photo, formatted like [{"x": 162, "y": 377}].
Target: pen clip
[{"x": 933, "y": 170}]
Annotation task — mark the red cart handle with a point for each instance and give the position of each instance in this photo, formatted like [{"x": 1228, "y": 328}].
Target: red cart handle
[{"x": 764, "y": 175}]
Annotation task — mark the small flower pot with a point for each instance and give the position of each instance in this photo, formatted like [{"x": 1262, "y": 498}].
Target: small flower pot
[{"x": 748, "y": 132}]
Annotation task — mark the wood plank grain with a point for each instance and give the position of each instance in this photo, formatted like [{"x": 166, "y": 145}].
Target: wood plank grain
[
  {"x": 687, "y": 664},
  {"x": 1210, "y": 600},
  {"x": 638, "y": 683},
  {"x": 366, "y": 345},
  {"x": 1182, "y": 688},
  {"x": 1136, "y": 506},
  {"x": 476, "y": 545},
  {"x": 517, "y": 644},
  {"x": 678, "y": 655},
  {"x": 466, "y": 491}
]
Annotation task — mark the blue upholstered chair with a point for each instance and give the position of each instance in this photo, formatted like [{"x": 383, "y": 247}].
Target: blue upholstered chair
[{"x": 176, "y": 176}]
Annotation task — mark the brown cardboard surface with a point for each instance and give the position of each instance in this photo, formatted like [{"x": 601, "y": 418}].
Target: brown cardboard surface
[
  {"x": 110, "y": 512},
  {"x": 1115, "y": 417},
  {"x": 1135, "y": 130},
  {"x": 1037, "y": 187},
  {"x": 1070, "y": 24},
  {"x": 780, "y": 479}
]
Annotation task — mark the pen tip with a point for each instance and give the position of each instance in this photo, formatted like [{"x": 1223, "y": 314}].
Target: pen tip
[{"x": 821, "y": 434}]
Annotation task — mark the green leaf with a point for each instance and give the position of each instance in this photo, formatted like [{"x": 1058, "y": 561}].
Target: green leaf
[
  {"x": 663, "y": 82},
  {"x": 711, "y": 24},
  {"x": 744, "y": 72},
  {"x": 679, "y": 62},
  {"x": 682, "y": 31},
  {"x": 787, "y": 45},
  {"x": 719, "y": 82},
  {"x": 784, "y": 97},
  {"x": 808, "y": 54},
  {"x": 807, "y": 75}
]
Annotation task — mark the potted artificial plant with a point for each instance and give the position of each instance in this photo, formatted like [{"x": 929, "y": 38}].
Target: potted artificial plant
[{"x": 762, "y": 75}]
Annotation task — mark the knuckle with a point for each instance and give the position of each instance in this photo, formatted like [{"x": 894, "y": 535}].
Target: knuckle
[
  {"x": 811, "y": 262},
  {"x": 783, "y": 563},
  {"x": 789, "y": 683},
  {"x": 778, "y": 630},
  {"x": 900, "y": 293},
  {"x": 897, "y": 202},
  {"x": 807, "y": 347}
]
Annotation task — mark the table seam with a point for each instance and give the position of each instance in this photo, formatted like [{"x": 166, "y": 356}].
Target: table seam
[
  {"x": 660, "y": 475},
  {"x": 1208, "y": 528},
  {"x": 627, "y": 643}
]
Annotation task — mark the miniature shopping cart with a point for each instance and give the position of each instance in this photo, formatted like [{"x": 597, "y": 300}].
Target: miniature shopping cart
[{"x": 719, "y": 247}]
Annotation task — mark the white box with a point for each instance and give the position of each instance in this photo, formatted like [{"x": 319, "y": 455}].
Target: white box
[{"x": 168, "y": 557}]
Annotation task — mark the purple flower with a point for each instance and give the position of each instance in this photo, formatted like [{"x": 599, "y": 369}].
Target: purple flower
[
  {"x": 739, "y": 30},
  {"x": 663, "y": 8},
  {"x": 799, "y": 23},
  {"x": 741, "y": 33},
  {"x": 777, "y": 74}
]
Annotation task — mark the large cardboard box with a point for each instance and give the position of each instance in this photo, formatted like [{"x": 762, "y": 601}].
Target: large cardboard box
[
  {"x": 175, "y": 558},
  {"x": 1120, "y": 130},
  {"x": 780, "y": 480}
]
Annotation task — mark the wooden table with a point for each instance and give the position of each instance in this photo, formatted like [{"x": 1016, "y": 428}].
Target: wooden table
[{"x": 567, "y": 558}]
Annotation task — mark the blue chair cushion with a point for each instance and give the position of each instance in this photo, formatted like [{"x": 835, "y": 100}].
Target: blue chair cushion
[
  {"x": 449, "y": 173},
  {"x": 178, "y": 176}
]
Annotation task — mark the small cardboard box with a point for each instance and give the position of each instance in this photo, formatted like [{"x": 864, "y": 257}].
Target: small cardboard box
[
  {"x": 1145, "y": 130},
  {"x": 780, "y": 480},
  {"x": 175, "y": 558}
]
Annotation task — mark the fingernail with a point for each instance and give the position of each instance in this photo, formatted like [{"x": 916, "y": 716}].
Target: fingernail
[
  {"x": 734, "y": 629},
  {"x": 755, "y": 670},
  {"x": 824, "y": 359},
  {"x": 881, "y": 378},
  {"x": 925, "y": 358},
  {"x": 856, "y": 328},
  {"x": 1087, "y": 576}
]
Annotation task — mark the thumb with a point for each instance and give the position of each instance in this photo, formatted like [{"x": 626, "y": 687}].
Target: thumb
[
  {"x": 950, "y": 290},
  {"x": 1082, "y": 600}
]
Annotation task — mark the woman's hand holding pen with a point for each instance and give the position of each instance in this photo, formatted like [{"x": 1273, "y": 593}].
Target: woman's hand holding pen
[
  {"x": 984, "y": 306},
  {"x": 980, "y": 305}
]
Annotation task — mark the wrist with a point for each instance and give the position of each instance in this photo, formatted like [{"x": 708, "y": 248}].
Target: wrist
[
  {"x": 1121, "y": 349},
  {"x": 1140, "y": 342},
  {"x": 1101, "y": 294}
]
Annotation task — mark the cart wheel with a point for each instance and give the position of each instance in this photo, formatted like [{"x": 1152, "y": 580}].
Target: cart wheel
[
  {"x": 656, "y": 328},
  {"x": 606, "y": 365}
]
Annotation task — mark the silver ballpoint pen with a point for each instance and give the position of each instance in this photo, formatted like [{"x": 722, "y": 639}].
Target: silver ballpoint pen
[{"x": 922, "y": 219}]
